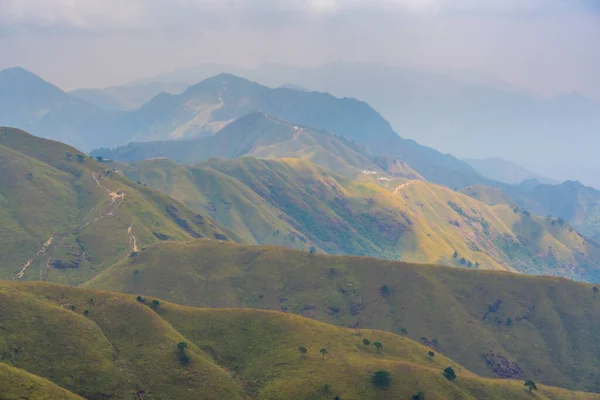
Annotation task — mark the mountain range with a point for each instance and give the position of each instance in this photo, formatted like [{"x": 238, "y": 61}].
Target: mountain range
[{"x": 338, "y": 259}]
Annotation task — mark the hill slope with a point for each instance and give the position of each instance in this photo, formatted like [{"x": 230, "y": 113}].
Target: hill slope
[
  {"x": 494, "y": 323},
  {"x": 64, "y": 217},
  {"x": 126, "y": 350},
  {"x": 270, "y": 201}
]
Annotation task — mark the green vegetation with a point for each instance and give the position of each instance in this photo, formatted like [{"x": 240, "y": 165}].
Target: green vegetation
[
  {"x": 124, "y": 350},
  {"x": 430, "y": 354},
  {"x": 75, "y": 218},
  {"x": 531, "y": 385},
  {"x": 381, "y": 379},
  {"x": 449, "y": 373},
  {"x": 378, "y": 346},
  {"x": 552, "y": 337}
]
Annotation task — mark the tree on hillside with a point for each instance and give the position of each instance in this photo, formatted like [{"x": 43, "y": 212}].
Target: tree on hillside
[
  {"x": 303, "y": 350},
  {"x": 455, "y": 255},
  {"x": 381, "y": 379},
  {"x": 378, "y": 345},
  {"x": 384, "y": 291},
  {"x": 403, "y": 332},
  {"x": 595, "y": 289},
  {"x": 431, "y": 354},
  {"x": 312, "y": 250},
  {"x": 450, "y": 374},
  {"x": 531, "y": 385},
  {"x": 419, "y": 396},
  {"x": 183, "y": 357},
  {"x": 323, "y": 351},
  {"x": 80, "y": 158},
  {"x": 155, "y": 304},
  {"x": 366, "y": 342}
]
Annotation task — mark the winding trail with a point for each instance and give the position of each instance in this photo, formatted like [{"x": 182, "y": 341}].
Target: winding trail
[
  {"x": 402, "y": 186},
  {"x": 132, "y": 239},
  {"x": 116, "y": 200},
  {"x": 41, "y": 251}
]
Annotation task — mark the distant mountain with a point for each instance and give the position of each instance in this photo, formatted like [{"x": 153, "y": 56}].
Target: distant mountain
[
  {"x": 263, "y": 136},
  {"x": 501, "y": 170},
  {"x": 207, "y": 107},
  {"x": 30, "y": 103},
  {"x": 126, "y": 97},
  {"x": 465, "y": 113},
  {"x": 64, "y": 217}
]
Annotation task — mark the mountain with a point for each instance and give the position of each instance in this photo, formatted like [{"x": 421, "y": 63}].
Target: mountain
[
  {"x": 496, "y": 324},
  {"x": 207, "y": 107},
  {"x": 30, "y": 103},
  {"x": 126, "y": 97},
  {"x": 264, "y": 136},
  {"x": 64, "y": 217},
  {"x": 293, "y": 202},
  {"x": 101, "y": 344},
  {"x": 501, "y": 170},
  {"x": 464, "y": 115}
]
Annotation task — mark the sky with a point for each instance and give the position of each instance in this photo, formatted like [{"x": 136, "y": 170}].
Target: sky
[{"x": 546, "y": 46}]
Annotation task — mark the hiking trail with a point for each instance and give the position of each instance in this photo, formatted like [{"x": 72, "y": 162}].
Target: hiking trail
[{"x": 41, "y": 251}]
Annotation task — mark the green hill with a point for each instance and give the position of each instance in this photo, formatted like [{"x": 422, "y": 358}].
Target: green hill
[
  {"x": 65, "y": 217},
  {"x": 108, "y": 345},
  {"x": 496, "y": 324},
  {"x": 293, "y": 202},
  {"x": 16, "y": 384}
]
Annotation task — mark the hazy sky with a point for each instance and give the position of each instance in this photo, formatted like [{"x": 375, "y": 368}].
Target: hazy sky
[{"x": 547, "y": 46}]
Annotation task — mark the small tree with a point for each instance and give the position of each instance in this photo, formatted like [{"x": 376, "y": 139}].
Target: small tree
[
  {"x": 140, "y": 299},
  {"x": 378, "y": 345},
  {"x": 403, "y": 332},
  {"x": 595, "y": 289},
  {"x": 450, "y": 374},
  {"x": 303, "y": 350},
  {"x": 531, "y": 385},
  {"x": 455, "y": 255},
  {"x": 381, "y": 379},
  {"x": 508, "y": 321},
  {"x": 80, "y": 158},
  {"x": 419, "y": 396},
  {"x": 99, "y": 158},
  {"x": 326, "y": 388},
  {"x": 183, "y": 357},
  {"x": 366, "y": 342},
  {"x": 312, "y": 250},
  {"x": 431, "y": 354},
  {"x": 155, "y": 304},
  {"x": 323, "y": 351},
  {"x": 384, "y": 291}
]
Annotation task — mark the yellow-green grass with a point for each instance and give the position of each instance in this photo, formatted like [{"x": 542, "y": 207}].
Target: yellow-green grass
[
  {"x": 16, "y": 384},
  {"x": 50, "y": 190},
  {"x": 295, "y": 203},
  {"x": 547, "y": 326},
  {"x": 121, "y": 348}
]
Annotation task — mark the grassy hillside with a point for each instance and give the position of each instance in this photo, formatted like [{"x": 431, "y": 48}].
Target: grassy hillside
[
  {"x": 65, "y": 217},
  {"x": 494, "y": 323},
  {"x": 16, "y": 384},
  {"x": 102, "y": 345},
  {"x": 293, "y": 202}
]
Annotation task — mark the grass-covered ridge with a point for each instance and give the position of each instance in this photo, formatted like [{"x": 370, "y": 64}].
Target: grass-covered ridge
[
  {"x": 64, "y": 217},
  {"x": 295, "y": 203},
  {"x": 130, "y": 349},
  {"x": 494, "y": 323}
]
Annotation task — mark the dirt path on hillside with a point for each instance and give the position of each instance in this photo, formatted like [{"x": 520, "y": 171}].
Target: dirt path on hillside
[
  {"x": 40, "y": 252},
  {"x": 116, "y": 200},
  {"x": 132, "y": 239},
  {"x": 402, "y": 186}
]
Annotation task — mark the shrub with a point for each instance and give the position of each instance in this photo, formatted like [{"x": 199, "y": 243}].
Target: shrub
[
  {"x": 381, "y": 379},
  {"x": 450, "y": 374}
]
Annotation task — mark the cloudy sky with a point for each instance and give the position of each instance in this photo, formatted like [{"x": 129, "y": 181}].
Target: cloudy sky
[{"x": 547, "y": 46}]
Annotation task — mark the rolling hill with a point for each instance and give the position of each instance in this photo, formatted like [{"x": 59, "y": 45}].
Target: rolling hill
[
  {"x": 295, "y": 203},
  {"x": 496, "y": 324},
  {"x": 101, "y": 345},
  {"x": 571, "y": 202},
  {"x": 65, "y": 217}
]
